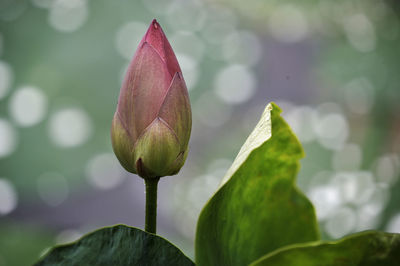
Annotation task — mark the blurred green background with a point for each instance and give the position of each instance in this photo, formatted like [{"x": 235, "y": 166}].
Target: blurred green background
[{"x": 332, "y": 66}]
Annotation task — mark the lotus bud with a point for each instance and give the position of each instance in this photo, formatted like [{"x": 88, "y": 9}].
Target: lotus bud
[{"x": 151, "y": 126}]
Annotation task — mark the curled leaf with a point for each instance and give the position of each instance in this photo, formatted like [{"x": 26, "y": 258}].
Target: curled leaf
[{"x": 258, "y": 207}]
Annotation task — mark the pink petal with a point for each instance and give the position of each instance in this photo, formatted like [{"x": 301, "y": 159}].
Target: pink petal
[
  {"x": 175, "y": 110},
  {"x": 143, "y": 90},
  {"x": 155, "y": 37}
]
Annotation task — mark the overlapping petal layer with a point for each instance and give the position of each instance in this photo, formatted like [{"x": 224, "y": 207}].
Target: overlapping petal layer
[
  {"x": 152, "y": 124},
  {"x": 175, "y": 110},
  {"x": 143, "y": 90},
  {"x": 122, "y": 144},
  {"x": 157, "y": 39},
  {"x": 156, "y": 149}
]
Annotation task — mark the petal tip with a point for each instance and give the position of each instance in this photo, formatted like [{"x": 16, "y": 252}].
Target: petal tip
[
  {"x": 155, "y": 24},
  {"x": 154, "y": 32}
]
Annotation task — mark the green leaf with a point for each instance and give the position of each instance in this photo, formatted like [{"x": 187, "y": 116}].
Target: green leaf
[
  {"x": 363, "y": 249},
  {"x": 258, "y": 207},
  {"x": 117, "y": 245}
]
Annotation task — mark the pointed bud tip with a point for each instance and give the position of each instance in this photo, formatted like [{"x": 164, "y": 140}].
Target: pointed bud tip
[
  {"x": 154, "y": 33},
  {"x": 155, "y": 24}
]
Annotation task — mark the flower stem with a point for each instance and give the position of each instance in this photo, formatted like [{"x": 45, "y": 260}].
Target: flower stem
[{"x": 151, "y": 204}]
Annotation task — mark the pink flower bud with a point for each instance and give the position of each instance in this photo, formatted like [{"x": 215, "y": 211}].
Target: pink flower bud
[{"x": 151, "y": 126}]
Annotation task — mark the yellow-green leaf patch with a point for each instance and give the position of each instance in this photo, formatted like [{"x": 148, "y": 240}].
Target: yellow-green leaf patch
[{"x": 258, "y": 207}]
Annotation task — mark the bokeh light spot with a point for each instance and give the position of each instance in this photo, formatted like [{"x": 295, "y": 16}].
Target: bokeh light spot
[
  {"x": 366, "y": 218},
  {"x": 128, "y": 38},
  {"x": 215, "y": 32},
  {"x": 394, "y": 224},
  {"x": 8, "y": 138},
  {"x": 104, "y": 171},
  {"x": 6, "y": 77},
  {"x": 70, "y": 127},
  {"x": 156, "y": 6},
  {"x": 68, "y": 15},
  {"x": 242, "y": 47},
  {"x": 360, "y": 32},
  {"x": 42, "y": 3},
  {"x": 8, "y": 197},
  {"x": 28, "y": 106},
  {"x": 189, "y": 69},
  {"x": 184, "y": 42},
  {"x": 332, "y": 130},
  {"x": 348, "y": 158},
  {"x": 235, "y": 84},
  {"x": 378, "y": 198},
  {"x": 359, "y": 95},
  {"x": 288, "y": 24},
  {"x": 211, "y": 111},
  {"x": 325, "y": 199},
  {"x": 194, "y": 195},
  {"x": 387, "y": 168},
  {"x": 187, "y": 15},
  {"x": 355, "y": 187},
  {"x": 342, "y": 222},
  {"x": 301, "y": 121},
  {"x": 52, "y": 188}
]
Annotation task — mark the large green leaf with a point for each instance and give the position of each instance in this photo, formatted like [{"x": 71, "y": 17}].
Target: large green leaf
[
  {"x": 258, "y": 207},
  {"x": 362, "y": 249},
  {"x": 117, "y": 245}
]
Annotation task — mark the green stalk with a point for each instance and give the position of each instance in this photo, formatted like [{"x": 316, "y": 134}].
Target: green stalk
[{"x": 151, "y": 204}]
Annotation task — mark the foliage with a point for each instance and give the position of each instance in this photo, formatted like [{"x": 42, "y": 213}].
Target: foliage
[
  {"x": 259, "y": 206},
  {"x": 257, "y": 216},
  {"x": 367, "y": 248},
  {"x": 117, "y": 245}
]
